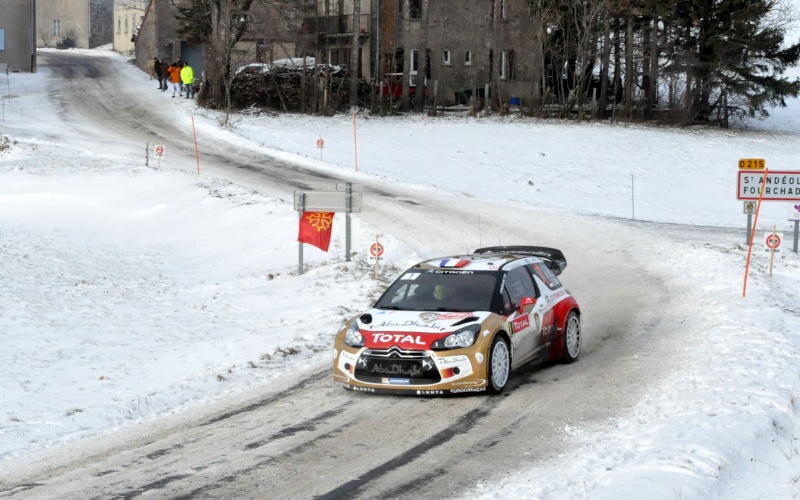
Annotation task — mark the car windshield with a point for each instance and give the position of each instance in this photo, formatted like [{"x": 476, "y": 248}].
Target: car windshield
[{"x": 434, "y": 290}]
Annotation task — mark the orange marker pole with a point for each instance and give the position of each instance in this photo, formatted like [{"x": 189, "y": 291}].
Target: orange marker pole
[
  {"x": 753, "y": 233},
  {"x": 196, "y": 151}
]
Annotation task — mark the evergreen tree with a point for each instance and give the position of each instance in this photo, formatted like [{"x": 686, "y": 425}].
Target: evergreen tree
[{"x": 734, "y": 55}]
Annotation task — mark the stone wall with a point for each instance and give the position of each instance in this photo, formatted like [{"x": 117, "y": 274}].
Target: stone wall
[{"x": 101, "y": 19}]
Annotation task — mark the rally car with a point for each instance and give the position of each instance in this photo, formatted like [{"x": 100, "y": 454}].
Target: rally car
[{"x": 461, "y": 324}]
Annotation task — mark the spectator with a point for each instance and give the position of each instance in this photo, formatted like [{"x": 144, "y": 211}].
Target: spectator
[
  {"x": 187, "y": 77},
  {"x": 165, "y": 74},
  {"x": 175, "y": 78},
  {"x": 159, "y": 74},
  {"x": 179, "y": 62}
]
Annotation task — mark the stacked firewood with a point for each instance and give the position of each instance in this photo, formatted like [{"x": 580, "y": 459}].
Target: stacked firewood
[{"x": 296, "y": 91}]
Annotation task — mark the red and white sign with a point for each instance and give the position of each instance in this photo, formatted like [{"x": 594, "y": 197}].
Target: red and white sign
[
  {"x": 160, "y": 150},
  {"x": 320, "y": 143},
  {"x": 780, "y": 186},
  {"x": 376, "y": 250},
  {"x": 772, "y": 242}
]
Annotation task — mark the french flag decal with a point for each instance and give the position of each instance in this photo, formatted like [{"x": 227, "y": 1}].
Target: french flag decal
[{"x": 454, "y": 263}]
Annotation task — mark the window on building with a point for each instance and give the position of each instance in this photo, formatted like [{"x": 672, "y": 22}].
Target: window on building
[
  {"x": 467, "y": 58},
  {"x": 415, "y": 6},
  {"x": 56, "y": 27},
  {"x": 503, "y": 9},
  {"x": 119, "y": 25},
  {"x": 133, "y": 23},
  {"x": 126, "y": 25},
  {"x": 416, "y": 9},
  {"x": 2, "y": 39},
  {"x": 446, "y": 57},
  {"x": 507, "y": 65}
]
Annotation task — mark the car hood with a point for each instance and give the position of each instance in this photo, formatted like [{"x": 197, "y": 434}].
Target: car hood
[
  {"x": 412, "y": 329},
  {"x": 418, "y": 321}
]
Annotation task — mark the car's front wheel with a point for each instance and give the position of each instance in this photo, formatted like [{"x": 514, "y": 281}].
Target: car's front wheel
[
  {"x": 572, "y": 338},
  {"x": 499, "y": 365}
]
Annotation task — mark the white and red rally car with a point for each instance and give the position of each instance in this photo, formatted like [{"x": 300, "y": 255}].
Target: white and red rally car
[{"x": 461, "y": 324}]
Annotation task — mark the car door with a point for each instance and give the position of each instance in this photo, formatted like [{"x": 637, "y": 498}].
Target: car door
[
  {"x": 519, "y": 295},
  {"x": 551, "y": 291}
]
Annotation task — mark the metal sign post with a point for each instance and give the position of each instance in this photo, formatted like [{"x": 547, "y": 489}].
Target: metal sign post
[
  {"x": 347, "y": 199},
  {"x": 348, "y": 206},
  {"x": 794, "y": 215},
  {"x": 749, "y": 209},
  {"x": 300, "y": 207}
]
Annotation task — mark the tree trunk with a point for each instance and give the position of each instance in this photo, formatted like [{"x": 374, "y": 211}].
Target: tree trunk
[
  {"x": 406, "y": 52},
  {"x": 604, "y": 65},
  {"x": 354, "y": 58},
  {"x": 422, "y": 63},
  {"x": 630, "y": 70},
  {"x": 653, "y": 91}
]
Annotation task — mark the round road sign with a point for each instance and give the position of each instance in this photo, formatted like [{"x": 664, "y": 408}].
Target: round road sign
[
  {"x": 160, "y": 150},
  {"x": 773, "y": 241},
  {"x": 376, "y": 249},
  {"x": 320, "y": 143}
]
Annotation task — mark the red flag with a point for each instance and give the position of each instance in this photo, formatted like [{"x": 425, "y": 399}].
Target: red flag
[{"x": 316, "y": 228}]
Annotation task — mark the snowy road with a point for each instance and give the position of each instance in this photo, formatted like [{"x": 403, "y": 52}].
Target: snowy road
[{"x": 306, "y": 438}]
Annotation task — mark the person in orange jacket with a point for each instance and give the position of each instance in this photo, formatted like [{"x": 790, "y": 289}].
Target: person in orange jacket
[{"x": 175, "y": 78}]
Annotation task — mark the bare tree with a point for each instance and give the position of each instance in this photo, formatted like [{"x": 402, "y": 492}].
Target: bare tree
[
  {"x": 46, "y": 35},
  {"x": 406, "y": 52},
  {"x": 354, "y": 58},
  {"x": 422, "y": 59}
]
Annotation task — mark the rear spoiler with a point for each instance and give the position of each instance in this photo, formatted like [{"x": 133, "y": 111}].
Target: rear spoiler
[{"x": 554, "y": 258}]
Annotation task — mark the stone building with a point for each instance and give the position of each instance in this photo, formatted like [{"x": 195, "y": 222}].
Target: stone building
[
  {"x": 471, "y": 45},
  {"x": 84, "y": 24},
  {"x": 158, "y": 37},
  {"x": 17, "y": 36},
  {"x": 271, "y": 34}
]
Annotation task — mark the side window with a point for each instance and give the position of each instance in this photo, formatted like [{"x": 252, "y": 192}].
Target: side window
[
  {"x": 546, "y": 275},
  {"x": 518, "y": 286}
]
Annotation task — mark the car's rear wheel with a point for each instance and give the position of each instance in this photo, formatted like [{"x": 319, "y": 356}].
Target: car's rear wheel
[
  {"x": 572, "y": 338},
  {"x": 499, "y": 365}
]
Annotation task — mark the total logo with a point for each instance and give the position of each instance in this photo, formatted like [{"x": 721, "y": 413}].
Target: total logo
[
  {"x": 519, "y": 324},
  {"x": 398, "y": 338},
  {"x": 403, "y": 340}
]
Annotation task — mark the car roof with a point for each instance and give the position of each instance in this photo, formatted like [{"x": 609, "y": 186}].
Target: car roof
[{"x": 499, "y": 258}]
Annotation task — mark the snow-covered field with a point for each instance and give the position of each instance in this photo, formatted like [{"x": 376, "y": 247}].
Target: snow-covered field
[{"x": 128, "y": 293}]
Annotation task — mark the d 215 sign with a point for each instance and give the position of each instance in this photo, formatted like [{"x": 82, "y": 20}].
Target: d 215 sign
[{"x": 779, "y": 186}]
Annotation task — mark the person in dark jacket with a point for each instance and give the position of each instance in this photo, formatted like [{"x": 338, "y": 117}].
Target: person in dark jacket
[
  {"x": 179, "y": 62},
  {"x": 158, "y": 73},
  {"x": 165, "y": 74}
]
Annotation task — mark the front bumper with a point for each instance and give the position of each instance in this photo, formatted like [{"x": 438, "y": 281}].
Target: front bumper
[{"x": 417, "y": 372}]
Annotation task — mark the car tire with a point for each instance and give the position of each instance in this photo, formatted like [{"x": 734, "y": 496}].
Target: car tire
[
  {"x": 572, "y": 338},
  {"x": 499, "y": 365}
]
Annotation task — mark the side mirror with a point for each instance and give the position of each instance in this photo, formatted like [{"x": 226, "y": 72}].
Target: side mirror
[{"x": 527, "y": 301}]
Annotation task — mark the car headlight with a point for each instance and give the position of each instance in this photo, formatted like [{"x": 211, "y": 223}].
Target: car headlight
[
  {"x": 353, "y": 336},
  {"x": 456, "y": 340}
]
